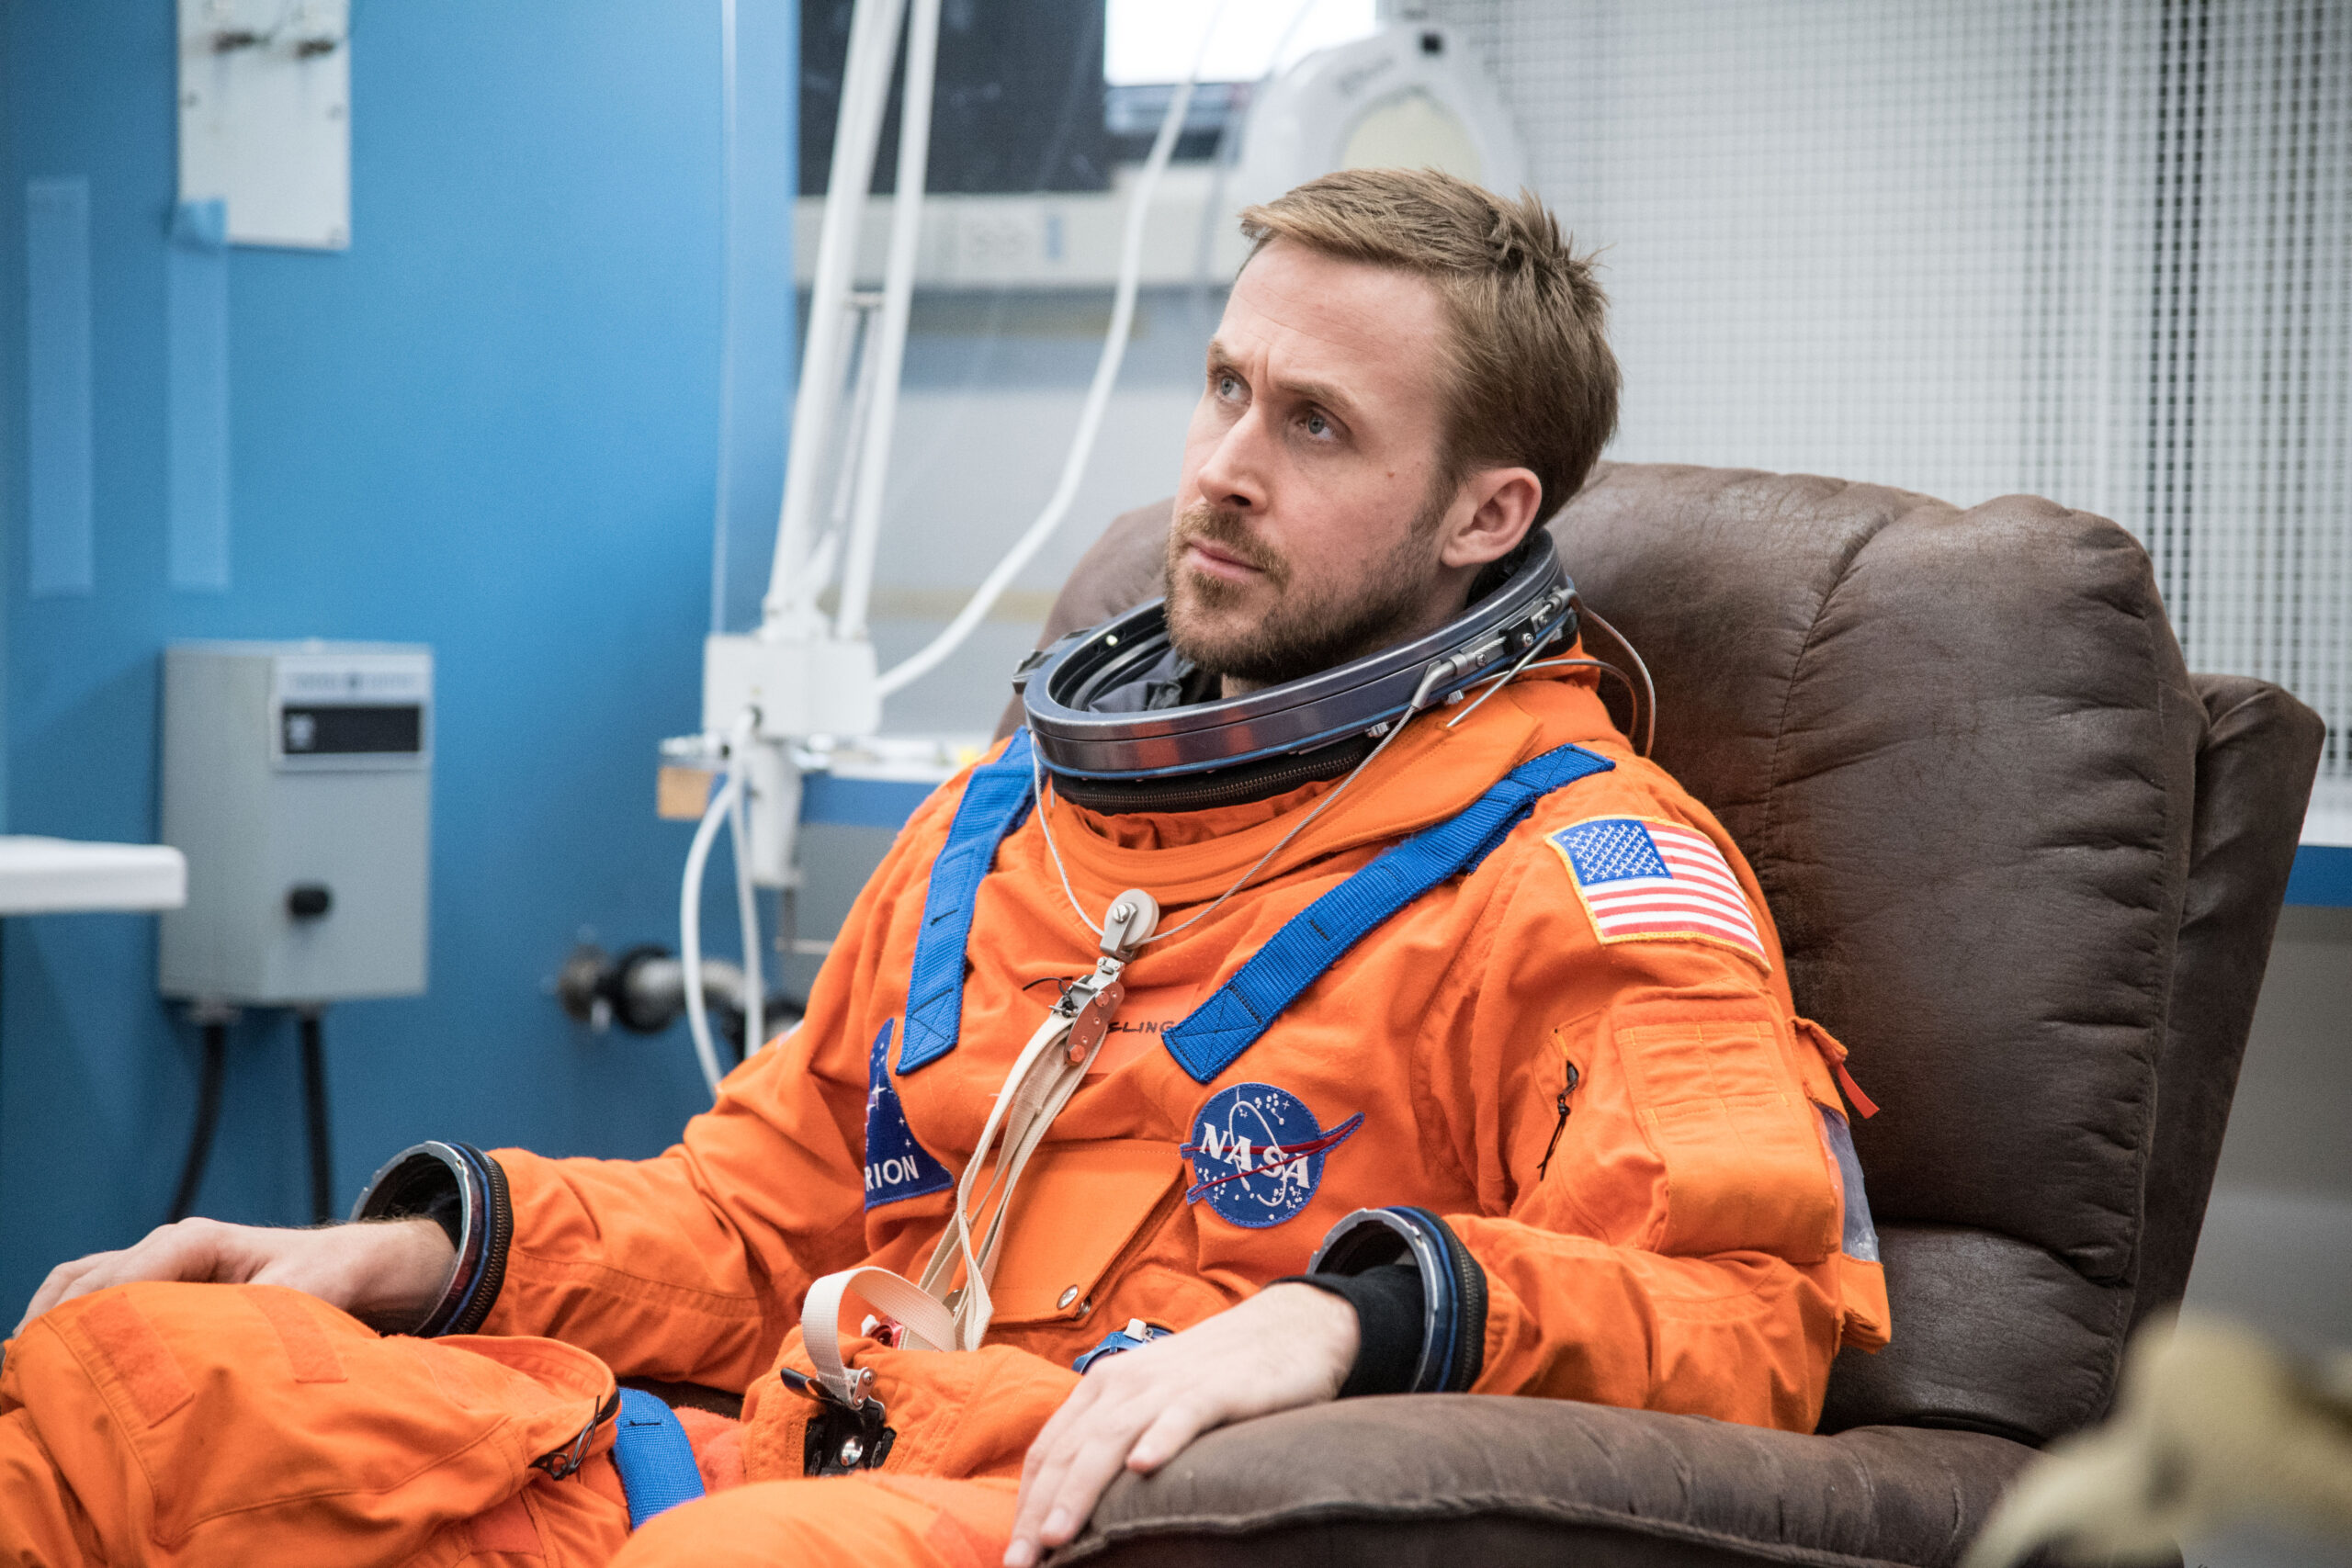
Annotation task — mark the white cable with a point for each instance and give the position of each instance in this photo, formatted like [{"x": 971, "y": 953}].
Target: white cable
[
  {"x": 725, "y": 803},
  {"x": 690, "y": 930},
  {"x": 1632, "y": 692},
  {"x": 1098, "y": 396}
]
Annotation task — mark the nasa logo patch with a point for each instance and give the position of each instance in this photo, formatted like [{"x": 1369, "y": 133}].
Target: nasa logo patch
[
  {"x": 1257, "y": 1153},
  {"x": 896, "y": 1166}
]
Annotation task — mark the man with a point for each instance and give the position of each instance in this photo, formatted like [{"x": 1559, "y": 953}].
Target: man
[{"x": 1594, "y": 1133}]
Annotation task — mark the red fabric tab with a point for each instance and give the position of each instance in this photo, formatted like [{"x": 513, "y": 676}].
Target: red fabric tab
[
  {"x": 1862, "y": 1102},
  {"x": 1834, "y": 1052},
  {"x": 150, "y": 1373}
]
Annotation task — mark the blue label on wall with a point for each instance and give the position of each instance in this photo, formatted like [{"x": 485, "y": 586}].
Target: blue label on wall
[
  {"x": 896, "y": 1168},
  {"x": 1257, "y": 1154}
]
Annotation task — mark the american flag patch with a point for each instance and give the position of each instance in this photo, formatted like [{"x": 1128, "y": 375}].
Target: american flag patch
[{"x": 1641, "y": 881}]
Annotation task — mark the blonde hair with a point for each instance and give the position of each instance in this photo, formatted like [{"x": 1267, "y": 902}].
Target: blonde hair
[{"x": 1533, "y": 382}]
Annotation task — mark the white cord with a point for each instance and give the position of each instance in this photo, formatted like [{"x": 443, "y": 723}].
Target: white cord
[
  {"x": 727, "y": 803},
  {"x": 1535, "y": 647},
  {"x": 1098, "y": 396},
  {"x": 1632, "y": 692},
  {"x": 1649, "y": 687},
  {"x": 690, "y": 930}
]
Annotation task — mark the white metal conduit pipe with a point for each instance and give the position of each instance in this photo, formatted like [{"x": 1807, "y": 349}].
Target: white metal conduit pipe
[
  {"x": 866, "y": 82},
  {"x": 889, "y": 354}
]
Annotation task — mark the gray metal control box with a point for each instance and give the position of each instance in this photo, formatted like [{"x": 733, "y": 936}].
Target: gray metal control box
[{"x": 298, "y": 781}]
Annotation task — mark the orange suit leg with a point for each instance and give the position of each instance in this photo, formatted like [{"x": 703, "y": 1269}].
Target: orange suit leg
[
  {"x": 41, "y": 1522},
  {"x": 157, "y": 1426},
  {"x": 861, "y": 1522}
]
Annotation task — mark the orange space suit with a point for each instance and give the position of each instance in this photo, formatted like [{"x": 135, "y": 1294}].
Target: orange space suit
[{"x": 1605, "y": 1093}]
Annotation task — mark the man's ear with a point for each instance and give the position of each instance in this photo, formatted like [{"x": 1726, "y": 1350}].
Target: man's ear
[{"x": 1503, "y": 503}]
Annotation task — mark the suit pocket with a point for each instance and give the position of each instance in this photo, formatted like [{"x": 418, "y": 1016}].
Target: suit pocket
[
  {"x": 1083, "y": 1206},
  {"x": 1745, "y": 1169}
]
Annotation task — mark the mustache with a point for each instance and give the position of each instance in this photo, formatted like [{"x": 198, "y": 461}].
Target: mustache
[{"x": 1229, "y": 532}]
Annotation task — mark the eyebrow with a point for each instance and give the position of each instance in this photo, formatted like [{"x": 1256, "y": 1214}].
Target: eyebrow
[{"x": 1321, "y": 392}]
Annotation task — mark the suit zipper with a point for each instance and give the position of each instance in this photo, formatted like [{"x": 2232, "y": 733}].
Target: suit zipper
[{"x": 1560, "y": 1126}]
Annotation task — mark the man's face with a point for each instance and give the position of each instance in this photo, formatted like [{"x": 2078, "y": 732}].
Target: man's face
[{"x": 1313, "y": 524}]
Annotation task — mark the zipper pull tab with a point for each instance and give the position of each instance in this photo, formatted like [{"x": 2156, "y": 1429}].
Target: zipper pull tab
[{"x": 1543, "y": 1165}]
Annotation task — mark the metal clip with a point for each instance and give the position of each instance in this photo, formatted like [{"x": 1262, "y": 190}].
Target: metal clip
[
  {"x": 1128, "y": 923},
  {"x": 841, "y": 1439},
  {"x": 1102, "y": 995},
  {"x": 562, "y": 1462},
  {"x": 1089, "y": 1002}
]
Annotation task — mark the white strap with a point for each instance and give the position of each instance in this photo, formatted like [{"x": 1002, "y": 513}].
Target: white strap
[
  {"x": 1042, "y": 1080},
  {"x": 931, "y": 1324},
  {"x": 928, "y": 1327},
  {"x": 1034, "y": 1092}
]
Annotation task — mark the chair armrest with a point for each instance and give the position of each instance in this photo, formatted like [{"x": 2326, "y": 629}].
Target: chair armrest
[{"x": 1449, "y": 1479}]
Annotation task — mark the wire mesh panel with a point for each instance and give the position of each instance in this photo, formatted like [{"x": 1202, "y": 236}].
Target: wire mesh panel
[{"x": 2098, "y": 250}]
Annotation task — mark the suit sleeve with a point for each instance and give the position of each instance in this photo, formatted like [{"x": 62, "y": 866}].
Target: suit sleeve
[
  {"x": 1658, "y": 1213},
  {"x": 691, "y": 1266}
]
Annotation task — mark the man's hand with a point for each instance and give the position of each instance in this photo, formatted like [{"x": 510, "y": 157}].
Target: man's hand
[
  {"x": 1287, "y": 1346},
  {"x": 387, "y": 1273}
]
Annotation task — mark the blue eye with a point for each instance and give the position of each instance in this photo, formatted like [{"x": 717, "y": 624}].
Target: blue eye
[{"x": 1317, "y": 425}]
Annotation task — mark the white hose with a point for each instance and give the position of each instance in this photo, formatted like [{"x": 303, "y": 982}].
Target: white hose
[
  {"x": 727, "y": 803},
  {"x": 1097, "y": 397},
  {"x": 690, "y": 927}
]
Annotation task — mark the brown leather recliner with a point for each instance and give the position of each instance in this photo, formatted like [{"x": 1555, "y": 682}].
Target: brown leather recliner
[{"x": 2024, "y": 864}]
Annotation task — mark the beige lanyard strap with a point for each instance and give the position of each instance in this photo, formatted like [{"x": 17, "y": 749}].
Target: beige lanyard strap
[{"x": 1044, "y": 1076}]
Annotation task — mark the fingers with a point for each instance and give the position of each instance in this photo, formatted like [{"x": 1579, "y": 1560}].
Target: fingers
[
  {"x": 1091, "y": 1467},
  {"x": 1286, "y": 1347},
  {"x": 393, "y": 1270},
  {"x": 1042, "y": 1468},
  {"x": 1048, "y": 1442},
  {"x": 1167, "y": 1437},
  {"x": 60, "y": 1280},
  {"x": 190, "y": 1249},
  {"x": 1093, "y": 1436}
]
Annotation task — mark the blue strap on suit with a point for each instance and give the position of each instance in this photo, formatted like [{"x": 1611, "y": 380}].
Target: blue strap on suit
[
  {"x": 1212, "y": 1037},
  {"x": 996, "y": 798},
  {"x": 656, "y": 1462}
]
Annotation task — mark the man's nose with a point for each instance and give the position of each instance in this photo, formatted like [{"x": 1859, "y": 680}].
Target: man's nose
[{"x": 1234, "y": 474}]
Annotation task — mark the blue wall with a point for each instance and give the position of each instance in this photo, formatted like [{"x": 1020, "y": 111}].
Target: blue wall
[{"x": 490, "y": 427}]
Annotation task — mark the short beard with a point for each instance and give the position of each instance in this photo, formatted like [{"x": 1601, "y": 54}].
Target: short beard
[{"x": 1303, "y": 633}]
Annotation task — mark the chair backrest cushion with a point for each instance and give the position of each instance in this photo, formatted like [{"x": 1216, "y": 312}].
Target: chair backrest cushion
[{"x": 1960, "y": 749}]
